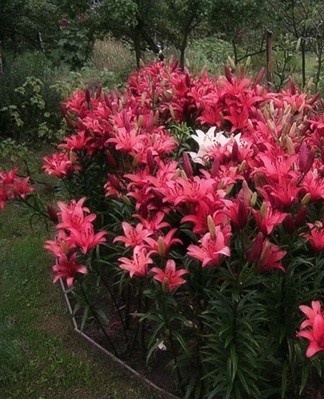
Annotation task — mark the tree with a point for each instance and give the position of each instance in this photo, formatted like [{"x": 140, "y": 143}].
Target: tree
[
  {"x": 305, "y": 21},
  {"x": 181, "y": 19},
  {"x": 28, "y": 24},
  {"x": 240, "y": 22},
  {"x": 131, "y": 20}
]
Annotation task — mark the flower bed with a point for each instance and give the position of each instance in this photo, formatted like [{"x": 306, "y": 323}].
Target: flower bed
[{"x": 193, "y": 227}]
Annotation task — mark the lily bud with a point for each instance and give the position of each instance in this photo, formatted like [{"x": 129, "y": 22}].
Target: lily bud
[
  {"x": 150, "y": 160},
  {"x": 125, "y": 119},
  {"x": 187, "y": 165},
  {"x": 214, "y": 168},
  {"x": 259, "y": 76},
  {"x": 161, "y": 246},
  {"x": 211, "y": 226},
  {"x": 52, "y": 214},
  {"x": 290, "y": 145},
  {"x": 127, "y": 200},
  {"x": 111, "y": 160},
  {"x": 183, "y": 174},
  {"x": 318, "y": 224},
  {"x": 314, "y": 98},
  {"x": 305, "y": 200},
  {"x": 264, "y": 252},
  {"x": 242, "y": 166},
  {"x": 171, "y": 111},
  {"x": 115, "y": 183},
  {"x": 292, "y": 86},
  {"x": 246, "y": 193},
  {"x": 188, "y": 80},
  {"x": 235, "y": 151},
  {"x": 306, "y": 158},
  {"x": 263, "y": 209},
  {"x": 228, "y": 74},
  {"x": 139, "y": 121},
  {"x": 254, "y": 253},
  {"x": 254, "y": 198}
]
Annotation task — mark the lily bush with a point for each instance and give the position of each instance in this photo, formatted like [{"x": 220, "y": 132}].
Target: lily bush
[{"x": 191, "y": 225}]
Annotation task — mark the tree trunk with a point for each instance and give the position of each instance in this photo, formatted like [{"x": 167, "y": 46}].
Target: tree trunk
[
  {"x": 303, "y": 51},
  {"x": 269, "y": 56},
  {"x": 182, "y": 51}
]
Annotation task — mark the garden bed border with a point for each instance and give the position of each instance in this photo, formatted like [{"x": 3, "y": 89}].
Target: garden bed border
[{"x": 107, "y": 353}]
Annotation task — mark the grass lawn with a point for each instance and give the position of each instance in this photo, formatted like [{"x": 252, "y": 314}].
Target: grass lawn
[{"x": 40, "y": 355}]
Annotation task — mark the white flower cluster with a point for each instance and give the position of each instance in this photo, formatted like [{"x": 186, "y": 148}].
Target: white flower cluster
[{"x": 209, "y": 141}]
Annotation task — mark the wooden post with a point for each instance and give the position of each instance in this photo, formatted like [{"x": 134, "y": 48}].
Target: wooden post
[{"x": 269, "y": 56}]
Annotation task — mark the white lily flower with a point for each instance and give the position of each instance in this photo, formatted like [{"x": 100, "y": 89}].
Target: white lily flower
[{"x": 206, "y": 142}]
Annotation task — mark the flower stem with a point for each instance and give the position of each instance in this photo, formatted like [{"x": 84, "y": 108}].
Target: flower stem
[{"x": 94, "y": 313}]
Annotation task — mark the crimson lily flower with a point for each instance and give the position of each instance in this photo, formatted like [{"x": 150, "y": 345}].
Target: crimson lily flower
[
  {"x": 265, "y": 255},
  {"x": 315, "y": 335},
  {"x": 170, "y": 277},
  {"x": 313, "y": 184},
  {"x": 62, "y": 245},
  {"x": 138, "y": 265},
  {"x": 316, "y": 236},
  {"x": 134, "y": 236},
  {"x": 67, "y": 267},
  {"x": 267, "y": 218},
  {"x": 212, "y": 247},
  {"x": 310, "y": 313},
  {"x": 73, "y": 215},
  {"x": 22, "y": 187},
  {"x": 86, "y": 239},
  {"x": 59, "y": 164},
  {"x": 163, "y": 244}
]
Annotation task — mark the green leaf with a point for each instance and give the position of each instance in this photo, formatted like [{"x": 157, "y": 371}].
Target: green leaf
[
  {"x": 84, "y": 317},
  {"x": 304, "y": 378},
  {"x": 234, "y": 361},
  {"x": 181, "y": 341},
  {"x": 284, "y": 379}
]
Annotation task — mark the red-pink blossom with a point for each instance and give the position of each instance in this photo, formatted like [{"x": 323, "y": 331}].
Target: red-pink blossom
[
  {"x": 68, "y": 268},
  {"x": 133, "y": 236},
  {"x": 315, "y": 237},
  {"x": 266, "y": 255},
  {"x": 170, "y": 277},
  {"x": 312, "y": 328},
  {"x": 74, "y": 215},
  {"x": 137, "y": 265},
  {"x": 163, "y": 243},
  {"x": 59, "y": 164},
  {"x": 86, "y": 239},
  {"x": 212, "y": 247},
  {"x": 61, "y": 245}
]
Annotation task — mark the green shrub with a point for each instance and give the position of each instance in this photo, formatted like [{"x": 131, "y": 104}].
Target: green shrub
[
  {"x": 30, "y": 107},
  {"x": 210, "y": 52}
]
